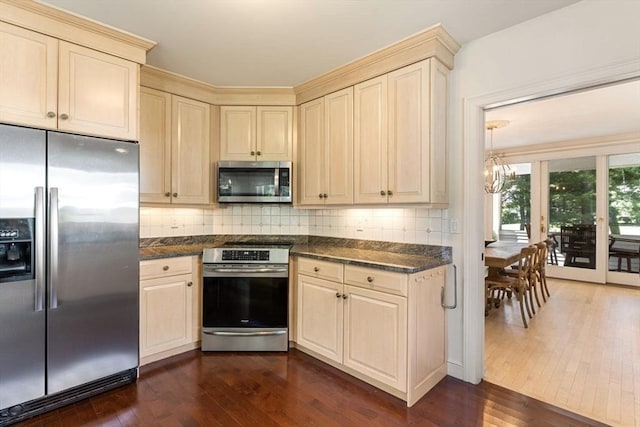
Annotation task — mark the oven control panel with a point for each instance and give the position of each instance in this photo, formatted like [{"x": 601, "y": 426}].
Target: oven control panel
[
  {"x": 245, "y": 255},
  {"x": 266, "y": 254}
]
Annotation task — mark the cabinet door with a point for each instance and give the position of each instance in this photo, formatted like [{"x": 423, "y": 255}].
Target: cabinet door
[
  {"x": 409, "y": 124},
  {"x": 165, "y": 313},
  {"x": 274, "y": 133},
  {"x": 97, "y": 93},
  {"x": 28, "y": 77},
  {"x": 312, "y": 173},
  {"x": 190, "y": 156},
  {"x": 237, "y": 133},
  {"x": 370, "y": 141},
  {"x": 428, "y": 331},
  {"x": 339, "y": 147},
  {"x": 320, "y": 324},
  {"x": 439, "y": 190},
  {"x": 155, "y": 146},
  {"x": 375, "y": 335}
]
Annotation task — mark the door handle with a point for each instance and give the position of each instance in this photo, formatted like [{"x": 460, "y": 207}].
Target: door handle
[
  {"x": 53, "y": 247},
  {"x": 455, "y": 291},
  {"x": 41, "y": 249}
]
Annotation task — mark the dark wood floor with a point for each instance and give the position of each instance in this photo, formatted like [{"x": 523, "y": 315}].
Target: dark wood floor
[{"x": 291, "y": 389}]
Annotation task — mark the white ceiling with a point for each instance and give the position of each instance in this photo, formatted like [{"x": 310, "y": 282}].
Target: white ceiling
[
  {"x": 287, "y": 42},
  {"x": 604, "y": 111}
]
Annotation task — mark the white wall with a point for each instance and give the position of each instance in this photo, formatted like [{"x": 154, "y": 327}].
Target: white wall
[{"x": 586, "y": 43}]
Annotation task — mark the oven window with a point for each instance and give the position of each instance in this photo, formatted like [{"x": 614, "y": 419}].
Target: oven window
[{"x": 240, "y": 302}]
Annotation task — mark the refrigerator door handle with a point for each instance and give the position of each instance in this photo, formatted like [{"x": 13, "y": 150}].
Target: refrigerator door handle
[
  {"x": 40, "y": 249},
  {"x": 53, "y": 247}
]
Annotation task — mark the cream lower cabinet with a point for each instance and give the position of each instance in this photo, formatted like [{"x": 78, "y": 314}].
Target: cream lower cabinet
[
  {"x": 400, "y": 136},
  {"x": 175, "y": 163},
  {"x": 383, "y": 327},
  {"x": 169, "y": 307},
  {"x": 54, "y": 84}
]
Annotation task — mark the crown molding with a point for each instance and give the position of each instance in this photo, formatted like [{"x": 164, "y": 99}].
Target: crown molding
[
  {"x": 55, "y": 22},
  {"x": 167, "y": 81},
  {"x": 434, "y": 42},
  {"x": 586, "y": 146}
]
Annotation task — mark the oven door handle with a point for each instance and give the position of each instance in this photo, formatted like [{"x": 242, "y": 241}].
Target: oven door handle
[
  {"x": 245, "y": 270},
  {"x": 245, "y": 334}
]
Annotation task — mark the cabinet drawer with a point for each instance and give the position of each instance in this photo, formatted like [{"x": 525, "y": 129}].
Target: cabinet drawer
[
  {"x": 321, "y": 269},
  {"x": 165, "y": 267},
  {"x": 380, "y": 280}
]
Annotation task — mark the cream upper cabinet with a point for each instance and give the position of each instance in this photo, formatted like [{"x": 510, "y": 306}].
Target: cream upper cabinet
[
  {"x": 326, "y": 150},
  {"x": 28, "y": 77},
  {"x": 190, "y": 155},
  {"x": 59, "y": 85},
  {"x": 175, "y": 164},
  {"x": 256, "y": 133},
  {"x": 97, "y": 93},
  {"x": 370, "y": 140},
  {"x": 400, "y": 137},
  {"x": 155, "y": 146}
]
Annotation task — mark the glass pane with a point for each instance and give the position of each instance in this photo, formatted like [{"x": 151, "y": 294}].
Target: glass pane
[
  {"x": 624, "y": 212},
  {"x": 515, "y": 205},
  {"x": 572, "y": 210}
]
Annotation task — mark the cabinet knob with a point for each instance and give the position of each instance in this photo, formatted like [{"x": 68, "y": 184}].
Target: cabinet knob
[
  {"x": 324, "y": 195},
  {"x": 167, "y": 194},
  {"x": 175, "y": 194},
  {"x": 165, "y": 268},
  {"x": 382, "y": 193},
  {"x": 51, "y": 114},
  {"x": 345, "y": 296},
  {"x": 320, "y": 195},
  {"x": 316, "y": 269},
  {"x": 369, "y": 279},
  {"x": 389, "y": 193},
  {"x": 189, "y": 283},
  {"x": 253, "y": 153},
  {"x": 258, "y": 153},
  {"x": 64, "y": 116},
  {"x": 338, "y": 295}
]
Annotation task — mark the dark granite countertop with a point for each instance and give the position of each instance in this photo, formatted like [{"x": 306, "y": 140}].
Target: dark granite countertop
[
  {"x": 400, "y": 257},
  {"x": 391, "y": 261}
]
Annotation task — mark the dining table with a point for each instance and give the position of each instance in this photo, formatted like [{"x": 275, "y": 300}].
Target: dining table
[{"x": 502, "y": 254}]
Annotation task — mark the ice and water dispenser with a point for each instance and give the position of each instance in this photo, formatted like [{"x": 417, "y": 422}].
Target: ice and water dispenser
[{"x": 16, "y": 249}]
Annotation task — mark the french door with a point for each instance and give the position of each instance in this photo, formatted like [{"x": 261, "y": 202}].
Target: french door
[{"x": 588, "y": 207}]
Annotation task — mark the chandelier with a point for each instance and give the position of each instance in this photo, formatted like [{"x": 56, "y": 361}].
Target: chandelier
[{"x": 497, "y": 173}]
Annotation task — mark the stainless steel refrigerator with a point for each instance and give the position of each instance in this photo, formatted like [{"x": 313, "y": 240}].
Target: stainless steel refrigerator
[{"x": 68, "y": 268}]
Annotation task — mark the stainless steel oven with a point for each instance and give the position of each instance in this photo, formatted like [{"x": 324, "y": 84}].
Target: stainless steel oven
[{"x": 245, "y": 298}]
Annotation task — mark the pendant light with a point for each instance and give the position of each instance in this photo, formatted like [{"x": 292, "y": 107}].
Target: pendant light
[{"x": 496, "y": 171}]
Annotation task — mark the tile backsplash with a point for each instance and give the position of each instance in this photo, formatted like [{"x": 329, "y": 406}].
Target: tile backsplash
[{"x": 404, "y": 225}]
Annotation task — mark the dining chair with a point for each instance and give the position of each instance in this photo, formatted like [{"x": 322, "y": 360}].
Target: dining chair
[
  {"x": 532, "y": 277},
  {"x": 518, "y": 285},
  {"x": 541, "y": 270}
]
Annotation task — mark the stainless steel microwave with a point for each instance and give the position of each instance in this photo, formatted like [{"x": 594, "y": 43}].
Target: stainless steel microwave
[{"x": 254, "y": 182}]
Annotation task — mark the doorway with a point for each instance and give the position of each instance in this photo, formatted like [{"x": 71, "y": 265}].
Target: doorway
[
  {"x": 588, "y": 207},
  {"x": 472, "y": 242}
]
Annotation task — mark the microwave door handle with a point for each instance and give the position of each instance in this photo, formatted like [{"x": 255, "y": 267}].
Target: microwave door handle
[{"x": 276, "y": 180}]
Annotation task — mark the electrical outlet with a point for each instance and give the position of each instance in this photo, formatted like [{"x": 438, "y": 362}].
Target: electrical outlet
[{"x": 454, "y": 226}]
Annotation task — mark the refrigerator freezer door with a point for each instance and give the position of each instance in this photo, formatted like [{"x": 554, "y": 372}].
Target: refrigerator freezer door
[
  {"x": 22, "y": 325},
  {"x": 92, "y": 327}
]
